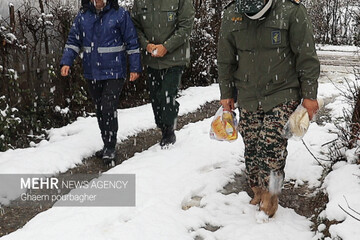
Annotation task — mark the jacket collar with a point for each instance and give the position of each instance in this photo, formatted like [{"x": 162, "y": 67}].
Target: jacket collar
[{"x": 262, "y": 12}]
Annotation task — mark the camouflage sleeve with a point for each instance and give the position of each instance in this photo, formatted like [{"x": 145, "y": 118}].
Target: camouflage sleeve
[
  {"x": 226, "y": 59},
  {"x": 186, "y": 17},
  {"x": 135, "y": 17},
  {"x": 302, "y": 43}
]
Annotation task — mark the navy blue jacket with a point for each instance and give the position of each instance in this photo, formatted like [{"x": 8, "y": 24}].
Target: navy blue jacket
[{"x": 105, "y": 39}]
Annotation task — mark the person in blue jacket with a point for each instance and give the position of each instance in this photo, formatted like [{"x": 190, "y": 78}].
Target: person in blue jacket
[{"x": 105, "y": 33}]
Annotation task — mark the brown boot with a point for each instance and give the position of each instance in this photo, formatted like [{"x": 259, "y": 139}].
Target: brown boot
[
  {"x": 257, "y": 195},
  {"x": 269, "y": 203}
]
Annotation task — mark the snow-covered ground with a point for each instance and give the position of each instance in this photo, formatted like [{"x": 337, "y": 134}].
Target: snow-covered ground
[
  {"x": 343, "y": 183},
  {"x": 192, "y": 172}
]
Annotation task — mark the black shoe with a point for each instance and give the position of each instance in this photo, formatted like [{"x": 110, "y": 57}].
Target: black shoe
[
  {"x": 99, "y": 154},
  {"x": 168, "y": 137},
  {"x": 109, "y": 155}
]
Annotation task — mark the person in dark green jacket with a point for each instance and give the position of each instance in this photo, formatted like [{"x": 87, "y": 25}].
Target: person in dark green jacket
[
  {"x": 266, "y": 53},
  {"x": 164, "y": 28}
]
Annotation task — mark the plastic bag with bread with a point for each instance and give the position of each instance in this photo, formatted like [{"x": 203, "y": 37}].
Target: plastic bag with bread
[
  {"x": 299, "y": 122},
  {"x": 223, "y": 126}
]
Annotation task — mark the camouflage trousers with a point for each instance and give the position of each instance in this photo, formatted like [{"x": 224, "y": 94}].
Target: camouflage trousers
[{"x": 265, "y": 147}]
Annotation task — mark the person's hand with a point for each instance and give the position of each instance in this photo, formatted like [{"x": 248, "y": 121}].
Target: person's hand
[
  {"x": 159, "y": 51},
  {"x": 150, "y": 48},
  {"x": 228, "y": 104},
  {"x": 134, "y": 76},
  {"x": 65, "y": 70},
  {"x": 311, "y": 106}
]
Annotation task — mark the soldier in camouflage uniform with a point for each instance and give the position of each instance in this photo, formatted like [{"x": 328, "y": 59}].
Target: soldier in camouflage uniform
[
  {"x": 266, "y": 52},
  {"x": 164, "y": 28}
]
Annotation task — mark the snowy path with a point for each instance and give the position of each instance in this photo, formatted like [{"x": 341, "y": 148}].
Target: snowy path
[{"x": 339, "y": 59}]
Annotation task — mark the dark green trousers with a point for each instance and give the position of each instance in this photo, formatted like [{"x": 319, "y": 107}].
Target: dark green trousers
[{"x": 163, "y": 86}]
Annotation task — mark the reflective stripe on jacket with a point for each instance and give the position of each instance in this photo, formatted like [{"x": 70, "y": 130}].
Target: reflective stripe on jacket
[{"x": 105, "y": 39}]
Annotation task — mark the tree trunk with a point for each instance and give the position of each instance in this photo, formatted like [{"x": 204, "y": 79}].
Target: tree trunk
[
  {"x": 44, "y": 28},
  {"x": 356, "y": 114},
  {"x": 355, "y": 124},
  {"x": 12, "y": 18}
]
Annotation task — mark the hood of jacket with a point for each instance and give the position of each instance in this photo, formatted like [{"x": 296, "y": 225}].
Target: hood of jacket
[{"x": 86, "y": 5}]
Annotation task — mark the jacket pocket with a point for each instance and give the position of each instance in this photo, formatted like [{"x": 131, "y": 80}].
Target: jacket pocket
[
  {"x": 277, "y": 83},
  {"x": 278, "y": 78},
  {"x": 144, "y": 12},
  {"x": 86, "y": 62},
  {"x": 111, "y": 61},
  {"x": 245, "y": 87},
  {"x": 169, "y": 12},
  {"x": 275, "y": 34},
  {"x": 241, "y": 80},
  {"x": 242, "y": 38}
]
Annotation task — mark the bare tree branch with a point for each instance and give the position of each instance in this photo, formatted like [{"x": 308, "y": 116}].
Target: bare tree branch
[{"x": 350, "y": 207}]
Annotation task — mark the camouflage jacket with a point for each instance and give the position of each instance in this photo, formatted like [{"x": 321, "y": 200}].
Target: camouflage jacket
[
  {"x": 269, "y": 61},
  {"x": 167, "y": 22}
]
